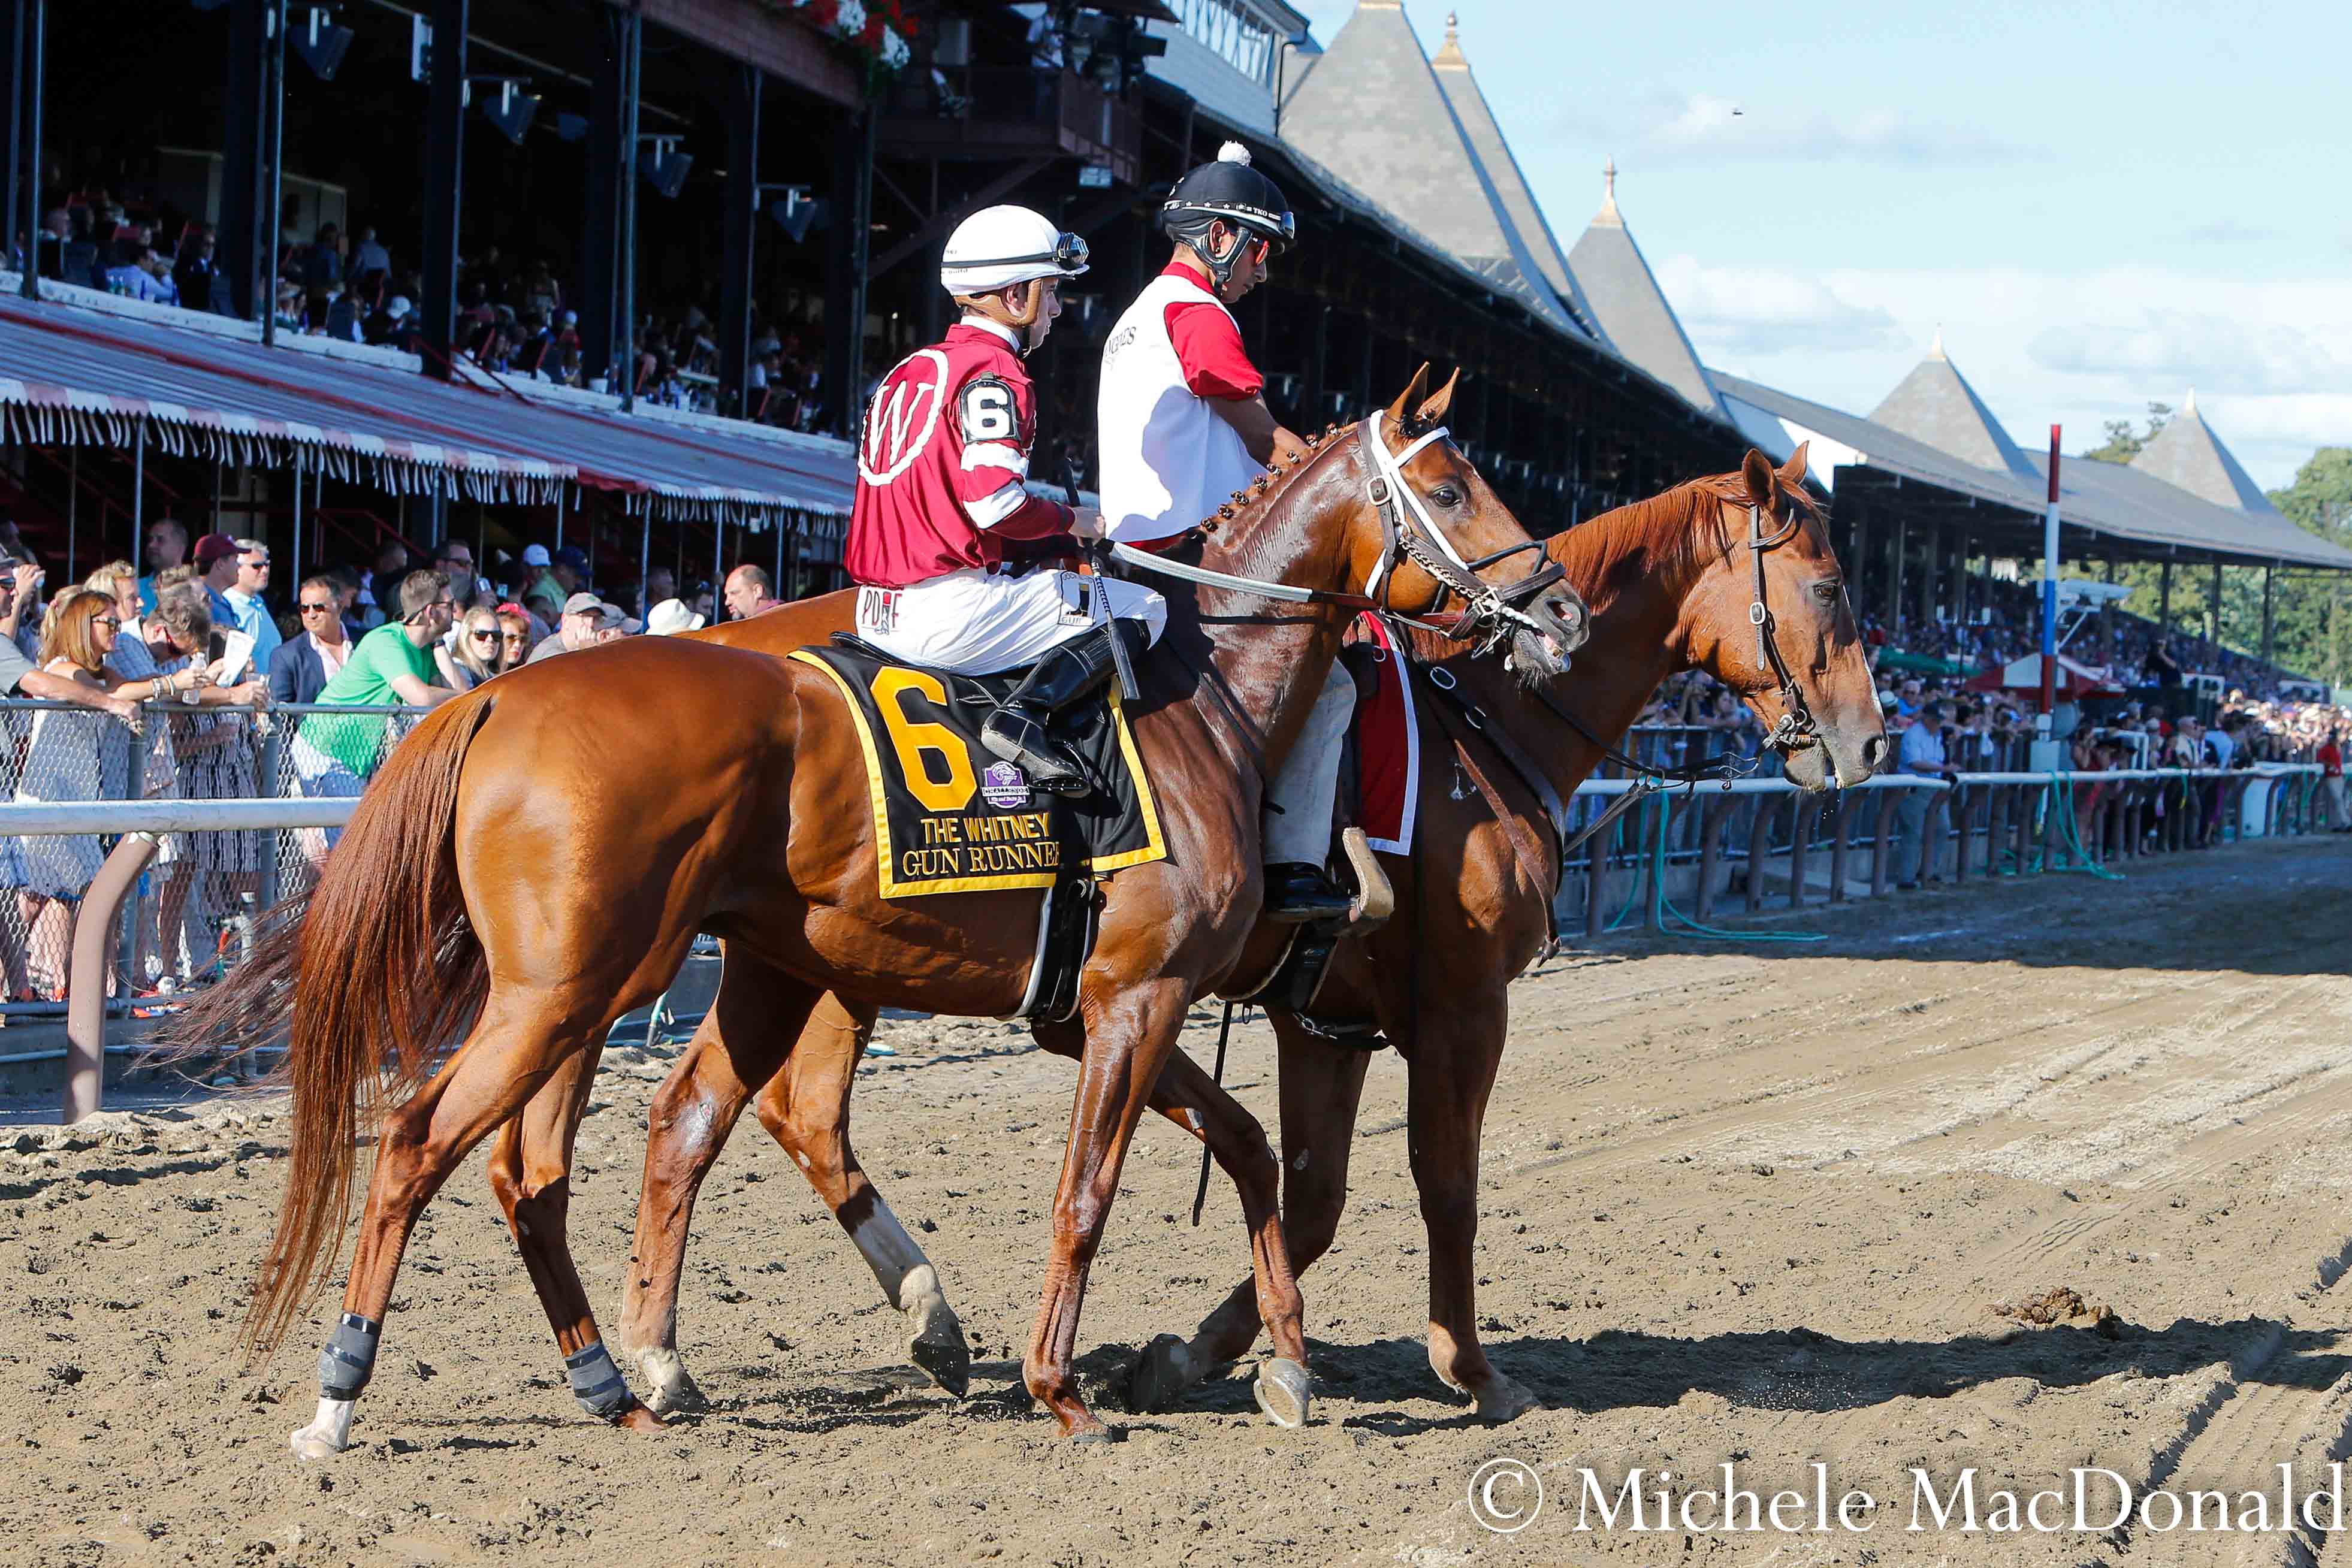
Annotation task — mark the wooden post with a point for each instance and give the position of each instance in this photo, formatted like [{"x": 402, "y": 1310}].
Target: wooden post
[
  {"x": 1964, "y": 813},
  {"x": 1881, "y": 854},
  {"x": 1759, "y": 834},
  {"x": 1801, "y": 844}
]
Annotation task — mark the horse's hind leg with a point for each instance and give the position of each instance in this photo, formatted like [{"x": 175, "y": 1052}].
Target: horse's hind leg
[
  {"x": 806, "y": 1108},
  {"x": 531, "y": 1171},
  {"x": 519, "y": 1043},
  {"x": 741, "y": 1043},
  {"x": 1321, "y": 1085}
]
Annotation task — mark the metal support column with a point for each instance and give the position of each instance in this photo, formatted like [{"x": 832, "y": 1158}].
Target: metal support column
[
  {"x": 601, "y": 239},
  {"x": 2213, "y": 607},
  {"x": 846, "y": 265},
  {"x": 2270, "y": 613},
  {"x": 444, "y": 154},
  {"x": 735, "y": 260},
  {"x": 2164, "y": 601},
  {"x": 30, "y": 78},
  {"x": 625, "y": 336},
  {"x": 246, "y": 255},
  {"x": 273, "y": 170}
]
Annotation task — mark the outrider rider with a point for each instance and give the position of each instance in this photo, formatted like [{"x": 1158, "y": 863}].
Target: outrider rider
[
  {"x": 1184, "y": 424},
  {"x": 945, "y": 543}
]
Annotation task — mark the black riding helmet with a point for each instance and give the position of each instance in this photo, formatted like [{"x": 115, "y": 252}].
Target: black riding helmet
[{"x": 1232, "y": 191}]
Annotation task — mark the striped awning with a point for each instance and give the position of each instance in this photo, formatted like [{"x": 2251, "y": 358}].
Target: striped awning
[{"x": 82, "y": 368}]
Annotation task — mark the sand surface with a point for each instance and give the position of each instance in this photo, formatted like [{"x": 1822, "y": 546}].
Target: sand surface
[{"x": 1745, "y": 1205}]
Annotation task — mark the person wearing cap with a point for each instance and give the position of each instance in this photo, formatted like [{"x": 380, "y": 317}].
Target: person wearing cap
[
  {"x": 235, "y": 572},
  {"x": 587, "y": 621},
  {"x": 334, "y": 753},
  {"x": 671, "y": 617},
  {"x": 1184, "y": 424},
  {"x": 945, "y": 543}
]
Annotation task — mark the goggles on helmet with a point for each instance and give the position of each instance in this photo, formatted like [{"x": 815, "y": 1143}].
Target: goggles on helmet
[{"x": 1068, "y": 255}]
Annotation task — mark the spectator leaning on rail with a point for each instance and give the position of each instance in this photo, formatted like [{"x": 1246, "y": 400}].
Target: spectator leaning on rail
[
  {"x": 19, "y": 678},
  {"x": 588, "y": 621},
  {"x": 334, "y": 753},
  {"x": 1919, "y": 754},
  {"x": 299, "y": 669}
]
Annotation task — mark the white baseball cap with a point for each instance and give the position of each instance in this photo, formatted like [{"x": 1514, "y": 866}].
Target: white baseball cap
[{"x": 534, "y": 555}]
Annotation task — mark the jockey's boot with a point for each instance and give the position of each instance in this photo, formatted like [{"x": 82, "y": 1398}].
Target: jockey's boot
[
  {"x": 1298, "y": 894},
  {"x": 1067, "y": 673}
]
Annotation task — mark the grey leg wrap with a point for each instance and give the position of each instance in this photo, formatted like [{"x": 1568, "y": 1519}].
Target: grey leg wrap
[
  {"x": 597, "y": 1384},
  {"x": 348, "y": 1361}
]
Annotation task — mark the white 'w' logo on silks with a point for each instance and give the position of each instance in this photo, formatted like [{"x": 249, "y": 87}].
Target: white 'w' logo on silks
[{"x": 903, "y": 416}]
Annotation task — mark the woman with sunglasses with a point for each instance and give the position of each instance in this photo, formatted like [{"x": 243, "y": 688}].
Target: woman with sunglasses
[
  {"x": 479, "y": 653},
  {"x": 73, "y": 755}
]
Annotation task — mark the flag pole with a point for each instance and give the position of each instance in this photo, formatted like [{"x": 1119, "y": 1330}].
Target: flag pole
[{"x": 2050, "y": 596}]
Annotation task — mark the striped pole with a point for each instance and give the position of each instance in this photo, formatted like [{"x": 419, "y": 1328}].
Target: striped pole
[{"x": 2050, "y": 595}]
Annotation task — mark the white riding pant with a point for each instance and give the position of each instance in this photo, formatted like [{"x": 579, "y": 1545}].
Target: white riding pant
[
  {"x": 976, "y": 623},
  {"x": 1308, "y": 783}
]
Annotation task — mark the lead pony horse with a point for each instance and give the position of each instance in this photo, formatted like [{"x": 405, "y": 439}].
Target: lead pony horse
[
  {"x": 1732, "y": 574},
  {"x": 501, "y": 872}
]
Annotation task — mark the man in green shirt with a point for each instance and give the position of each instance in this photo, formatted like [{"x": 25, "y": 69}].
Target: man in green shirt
[{"x": 392, "y": 667}]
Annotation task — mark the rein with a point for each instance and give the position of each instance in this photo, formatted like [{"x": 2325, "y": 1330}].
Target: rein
[{"x": 1489, "y": 613}]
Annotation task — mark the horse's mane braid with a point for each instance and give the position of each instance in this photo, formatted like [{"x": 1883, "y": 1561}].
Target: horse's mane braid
[{"x": 1256, "y": 490}]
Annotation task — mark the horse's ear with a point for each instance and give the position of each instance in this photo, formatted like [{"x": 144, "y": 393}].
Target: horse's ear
[
  {"x": 1792, "y": 472},
  {"x": 1402, "y": 410},
  {"x": 1433, "y": 413},
  {"x": 1756, "y": 473}
]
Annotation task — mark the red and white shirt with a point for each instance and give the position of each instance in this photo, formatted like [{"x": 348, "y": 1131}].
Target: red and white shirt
[
  {"x": 1168, "y": 460},
  {"x": 941, "y": 467}
]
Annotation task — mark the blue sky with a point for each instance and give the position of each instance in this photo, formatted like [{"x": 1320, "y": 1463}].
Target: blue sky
[{"x": 2099, "y": 205}]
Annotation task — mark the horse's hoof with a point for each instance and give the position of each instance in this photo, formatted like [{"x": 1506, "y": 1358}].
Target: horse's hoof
[
  {"x": 1505, "y": 1399},
  {"x": 638, "y": 1418},
  {"x": 1282, "y": 1391},
  {"x": 1162, "y": 1376},
  {"x": 313, "y": 1444},
  {"x": 1090, "y": 1436},
  {"x": 938, "y": 1348},
  {"x": 672, "y": 1387}
]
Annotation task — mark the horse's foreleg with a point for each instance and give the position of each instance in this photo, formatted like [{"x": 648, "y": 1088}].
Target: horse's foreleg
[
  {"x": 741, "y": 1044},
  {"x": 1452, "y": 1071},
  {"x": 1321, "y": 1084},
  {"x": 516, "y": 1045},
  {"x": 806, "y": 1108},
  {"x": 1129, "y": 1039}
]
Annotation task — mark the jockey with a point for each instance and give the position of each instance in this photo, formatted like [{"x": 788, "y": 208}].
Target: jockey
[
  {"x": 945, "y": 540},
  {"x": 1184, "y": 426}
]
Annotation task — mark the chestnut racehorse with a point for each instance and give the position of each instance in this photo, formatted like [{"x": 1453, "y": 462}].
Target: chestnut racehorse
[
  {"x": 1670, "y": 582},
  {"x": 502, "y": 868}
]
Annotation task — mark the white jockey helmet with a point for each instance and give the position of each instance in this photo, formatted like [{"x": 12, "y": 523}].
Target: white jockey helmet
[{"x": 997, "y": 248}]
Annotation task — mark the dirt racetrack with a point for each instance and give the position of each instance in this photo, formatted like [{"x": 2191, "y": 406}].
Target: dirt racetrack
[{"x": 1743, "y": 1204}]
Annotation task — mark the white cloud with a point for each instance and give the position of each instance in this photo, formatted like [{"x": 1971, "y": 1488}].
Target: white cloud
[
  {"x": 2267, "y": 357},
  {"x": 1694, "y": 126}
]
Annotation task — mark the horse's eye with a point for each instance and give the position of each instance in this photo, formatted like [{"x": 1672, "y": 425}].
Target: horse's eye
[
  {"x": 1827, "y": 592},
  {"x": 1445, "y": 495}
]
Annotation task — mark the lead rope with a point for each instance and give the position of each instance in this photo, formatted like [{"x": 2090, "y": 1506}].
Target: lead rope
[{"x": 1201, "y": 1193}]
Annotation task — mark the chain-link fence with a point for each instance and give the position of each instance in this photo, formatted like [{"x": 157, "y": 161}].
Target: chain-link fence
[{"x": 191, "y": 901}]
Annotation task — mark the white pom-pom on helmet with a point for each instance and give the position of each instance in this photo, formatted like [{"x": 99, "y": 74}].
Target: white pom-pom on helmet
[{"x": 997, "y": 248}]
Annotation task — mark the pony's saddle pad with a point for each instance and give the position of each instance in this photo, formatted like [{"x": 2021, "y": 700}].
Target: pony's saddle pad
[{"x": 951, "y": 817}]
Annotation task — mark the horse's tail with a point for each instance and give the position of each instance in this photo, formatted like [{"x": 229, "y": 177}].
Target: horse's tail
[{"x": 373, "y": 973}]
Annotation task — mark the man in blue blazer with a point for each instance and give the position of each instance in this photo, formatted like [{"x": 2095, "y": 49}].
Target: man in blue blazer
[{"x": 300, "y": 668}]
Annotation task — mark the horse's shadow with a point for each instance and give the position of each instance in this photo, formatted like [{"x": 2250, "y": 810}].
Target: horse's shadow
[{"x": 1801, "y": 1370}]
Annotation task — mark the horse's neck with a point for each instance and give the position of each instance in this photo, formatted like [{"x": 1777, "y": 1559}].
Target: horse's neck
[{"x": 1636, "y": 591}]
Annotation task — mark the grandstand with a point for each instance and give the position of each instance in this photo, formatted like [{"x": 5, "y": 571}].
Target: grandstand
[{"x": 653, "y": 254}]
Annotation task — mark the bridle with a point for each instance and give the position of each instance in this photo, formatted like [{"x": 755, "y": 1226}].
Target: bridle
[
  {"x": 1795, "y": 728},
  {"x": 1489, "y": 614}
]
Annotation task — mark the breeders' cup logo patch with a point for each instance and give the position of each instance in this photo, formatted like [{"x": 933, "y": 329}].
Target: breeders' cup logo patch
[{"x": 1005, "y": 786}]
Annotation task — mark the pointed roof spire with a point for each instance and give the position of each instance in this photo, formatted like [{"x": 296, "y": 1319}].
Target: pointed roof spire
[
  {"x": 1414, "y": 155},
  {"x": 1632, "y": 309},
  {"x": 1449, "y": 53},
  {"x": 1935, "y": 406},
  {"x": 2187, "y": 456},
  {"x": 1936, "y": 349}
]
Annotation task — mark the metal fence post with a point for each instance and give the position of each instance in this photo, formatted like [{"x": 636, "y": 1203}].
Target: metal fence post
[
  {"x": 1838, "y": 845},
  {"x": 1881, "y": 849},
  {"x": 1801, "y": 844}
]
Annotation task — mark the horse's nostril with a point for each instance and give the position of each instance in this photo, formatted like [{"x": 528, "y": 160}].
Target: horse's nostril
[{"x": 1874, "y": 752}]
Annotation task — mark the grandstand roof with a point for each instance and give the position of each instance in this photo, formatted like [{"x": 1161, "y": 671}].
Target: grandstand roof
[
  {"x": 83, "y": 368},
  {"x": 1371, "y": 111},
  {"x": 2107, "y": 498},
  {"x": 1493, "y": 152},
  {"x": 1625, "y": 300},
  {"x": 1935, "y": 406},
  {"x": 2188, "y": 454}
]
